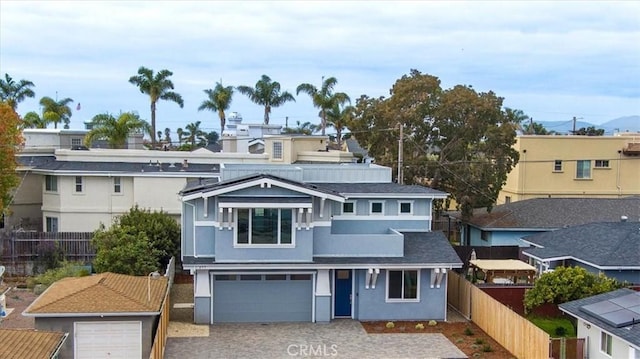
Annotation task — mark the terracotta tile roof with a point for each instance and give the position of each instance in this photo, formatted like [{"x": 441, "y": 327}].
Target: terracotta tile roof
[
  {"x": 29, "y": 343},
  {"x": 101, "y": 293}
]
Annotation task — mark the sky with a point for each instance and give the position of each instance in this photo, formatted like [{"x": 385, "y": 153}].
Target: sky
[{"x": 552, "y": 60}]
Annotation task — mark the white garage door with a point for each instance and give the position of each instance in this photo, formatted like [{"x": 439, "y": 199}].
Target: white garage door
[{"x": 108, "y": 340}]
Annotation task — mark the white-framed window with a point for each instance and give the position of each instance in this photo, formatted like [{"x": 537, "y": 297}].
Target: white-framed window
[
  {"x": 76, "y": 141},
  {"x": 403, "y": 285},
  {"x": 50, "y": 183},
  {"x": 606, "y": 342},
  {"x": 557, "y": 166},
  {"x": 601, "y": 164},
  {"x": 117, "y": 185},
  {"x": 51, "y": 224},
  {"x": 79, "y": 184},
  {"x": 264, "y": 226},
  {"x": 349, "y": 207},
  {"x": 583, "y": 169},
  {"x": 376, "y": 208},
  {"x": 277, "y": 150},
  {"x": 405, "y": 207}
]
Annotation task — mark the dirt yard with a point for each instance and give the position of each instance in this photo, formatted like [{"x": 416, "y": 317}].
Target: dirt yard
[{"x": 18, "y": 300}]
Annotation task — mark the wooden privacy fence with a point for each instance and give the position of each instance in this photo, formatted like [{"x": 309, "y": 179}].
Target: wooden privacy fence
[
  {"x": 515, "y": 333},
  {"x": 160, "y": 338},
  {"x": 18, "y": 245}
]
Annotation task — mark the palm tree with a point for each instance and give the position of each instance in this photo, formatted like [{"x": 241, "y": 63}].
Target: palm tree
[
  {"x": 193, "y": 132},
  {"x": 167, "y": 136},
  {"x": 115, "y": 131},
  {"x": 266, "y": 93},
  {"x": 218, "y": 99},
  {"x": 13, "y": 93},
  {"x": 180, "y": 133},
  {"x": 306, "y": 128},
  {"x": 340, "y": 119},
  {"x": 56, "y": 111},
  {"x": 158, "y": 87},
  {"x": 324, "y": 98},
  {"x": 33, "y": 120}
]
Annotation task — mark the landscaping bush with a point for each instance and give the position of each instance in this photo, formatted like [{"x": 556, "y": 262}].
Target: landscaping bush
[
  {"x": 468, "y": 331},
  {"x": 554, "y": 326},
  {"x": 390, "y": 325},
  {"x": 561, "y": 331},
  {"x": 67, "y": 269},
  {"x": 420, "y": 326},
  {"x": 487, "y": 348}
]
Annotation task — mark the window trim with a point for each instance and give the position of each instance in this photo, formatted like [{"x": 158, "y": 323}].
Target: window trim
[
  {"x": 117, "y": 185},
  {"x": 402, "y": 300},
  {"x": 371, "y": 213},
  {"x": 348, "y": 213},
  {"x": 557, "y": 166},
  {"x": 76, "y": 184},
  {"x": 51, "y": 184},
  {"x": 264, "y": 245},
  {"x": 47, "y": 227},
  {"x": 578, "y": 162},
  {"x": 279, "y": 153},
  {"x": 608, "y": 342},
  {"x": 400, "y": 203}
]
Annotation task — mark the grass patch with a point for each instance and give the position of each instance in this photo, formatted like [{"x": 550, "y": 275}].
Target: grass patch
[{"x": 555, "y": 327}]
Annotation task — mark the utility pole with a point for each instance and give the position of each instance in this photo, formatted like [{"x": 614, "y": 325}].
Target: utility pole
[
  {"x": 400, "y": 174},
  {"x": 574, "y": 125}
]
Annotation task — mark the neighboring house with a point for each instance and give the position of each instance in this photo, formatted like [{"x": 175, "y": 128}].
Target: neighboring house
[
  {"x": 312, "y": 243},
  {"x": 29, "y": 343},
  {"x": 354, "y": 147},
  {"x": 610, "y": 322},
  {"x": 506, "y": 224},
  {"x": 574, "y": 166},
  {"x": 105, "y": 314},
  {"x": 610, "y": 248}
]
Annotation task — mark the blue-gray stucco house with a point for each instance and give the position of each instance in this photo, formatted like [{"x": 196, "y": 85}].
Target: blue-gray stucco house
[{"x": 311, "y": 243}]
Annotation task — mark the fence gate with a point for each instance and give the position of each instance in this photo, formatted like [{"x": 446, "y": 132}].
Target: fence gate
[{"x": 567, "y": 348}]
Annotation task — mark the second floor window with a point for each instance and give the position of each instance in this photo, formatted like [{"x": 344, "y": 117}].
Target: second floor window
[
  {"x": 557, "y": 166},
  {"x": 264, "y": 226},
  {"x": 117, "y": 186},
  {"x": 277, "y": 150},
  {"x": 51, "y": 183},
  {"x": 76, "y": 142},
  {"x": 583, "y": 169},
  {"x": 405, "y": 207},
  {"x": 348, "y": 208},
  {"x": 602, "y": 164},
  {"x": 78, "y": 184},
  {"x": 376, "y": 208}
]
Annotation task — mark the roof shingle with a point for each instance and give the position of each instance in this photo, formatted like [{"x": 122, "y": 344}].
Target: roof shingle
[{"x": 29, "y": 343}]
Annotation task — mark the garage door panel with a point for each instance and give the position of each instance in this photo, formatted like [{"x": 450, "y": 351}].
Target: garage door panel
[
  {"x": 108, "y": 339},
  {"x": 262, "y": 301}
]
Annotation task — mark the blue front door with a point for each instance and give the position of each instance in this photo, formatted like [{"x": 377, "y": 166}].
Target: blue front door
[{"x": 343, "y": 293}]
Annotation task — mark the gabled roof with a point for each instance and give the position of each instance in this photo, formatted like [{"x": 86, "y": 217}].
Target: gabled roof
[
  {"x": 552, "y": 213},
  {"x": 213, "y": 189},
  {"x": 607, "y": 244},
  {"x": 104, "y": 293},
  {"x": 29, "y": 343},
  {"x": 629, "y": 334},
  {"x": 390, "y": 188}
]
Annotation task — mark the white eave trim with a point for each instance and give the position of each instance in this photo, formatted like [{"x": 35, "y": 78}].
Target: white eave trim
[
  {"x": 128, "y": 174},
  {"x": 395, "y": 195},
  {"x": 597, "y": 266},
  {"x": 276, "y": 204},
  {"x": 267, "y": 266},
  {"x": 74, "y": 315}
]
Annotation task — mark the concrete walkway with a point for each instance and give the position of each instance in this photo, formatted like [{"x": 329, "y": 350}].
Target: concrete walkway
[{"x": 338, "y": 339}]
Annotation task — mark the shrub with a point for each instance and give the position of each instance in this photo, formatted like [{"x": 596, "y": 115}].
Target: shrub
[
  {"x": 49, "y": 256},
  {"x": 560, "y": 331},
  {"x": 468, "y": 331},
  {"x": 487, "y": 348},
  {"x": 420, "y": 326},
  {"x": 67, "y": 269},
  {"x": 479, "y": 341},
  {"x": 390, "y": 325},
  {"x": 432, "y": 323}
]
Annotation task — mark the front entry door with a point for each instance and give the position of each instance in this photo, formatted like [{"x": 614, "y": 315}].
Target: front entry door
[{"x": 343, "y": 295}]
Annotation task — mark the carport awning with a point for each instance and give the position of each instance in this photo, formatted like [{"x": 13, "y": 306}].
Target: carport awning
[
  {"x": 265, "y": 202},
  {"x": 504, "y": 268}
]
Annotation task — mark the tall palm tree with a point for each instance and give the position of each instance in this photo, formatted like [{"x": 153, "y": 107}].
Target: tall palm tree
[
  {"x": 324, "y": 98},
  {"x": 13, "y": 92},
  {"x": 33, "y": 120},
  {"x": 193, "y": 133},
  {"x": 218, "y": 99},
  {"x": 158, "y": 87},
  {"x": 56, "y": 111},
  {"x": 114, "y": 130},
  {"x": 266, "y": 93},
  {"x": 180, "y": 133},
  {"x": 167, "y": 136},
  {"x": 340, "y": 119}
]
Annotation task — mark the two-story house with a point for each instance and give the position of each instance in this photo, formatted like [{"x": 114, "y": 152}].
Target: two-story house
[{"x": 311, "y": 243}]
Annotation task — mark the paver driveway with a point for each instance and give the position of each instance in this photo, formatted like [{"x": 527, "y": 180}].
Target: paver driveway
[{"x": 338, "y": 339}]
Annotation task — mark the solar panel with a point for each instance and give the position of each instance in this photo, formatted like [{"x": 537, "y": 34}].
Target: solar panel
[{"x": 618, "y": 312}]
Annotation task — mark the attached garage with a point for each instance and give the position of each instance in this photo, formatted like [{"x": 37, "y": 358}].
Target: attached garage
[
  {"x": 262, "y": 298},
  {"x": 108, "y": 339}
]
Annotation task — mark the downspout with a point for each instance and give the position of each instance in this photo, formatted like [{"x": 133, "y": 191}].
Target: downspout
[{"x": 618, "y": 174}]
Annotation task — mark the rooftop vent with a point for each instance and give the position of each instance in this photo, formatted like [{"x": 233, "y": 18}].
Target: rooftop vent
[{"x": 623, "y": 218}]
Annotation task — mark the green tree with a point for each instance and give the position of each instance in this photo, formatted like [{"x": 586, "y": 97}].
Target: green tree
[
  {"x": 266, "y": 93},
  {"x": 33, "y": 120},
  {"x": 324, "y": 98},
  {"x": 139, "y": 242},
  {"x": 180, "y": 133},
  {"x": 212, "y": 137},
  {"x": 13, "y": 92},
  {"x": 590, "y": 131},
  {"x": 218, "y": 100},
  {"x": 167, "y": 136},
  {"x": 114, "y": 130},
  {"x": 306, "y": 128},
  {"x": 158, "y": 86},
  {"x": 565, "y": 284},
  {"x": 10, "y": 140},
  {"x": 535, "y": 128},
  {"x": 455, "y": 140},
  {"x": 193, "y": 133},
  {"x": 340, "y": 119},
  {"x": 56, "y": 111}
]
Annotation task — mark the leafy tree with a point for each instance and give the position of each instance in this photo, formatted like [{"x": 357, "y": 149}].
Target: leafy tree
[
  {"x": 158, "y": 86},
  {"x": 590, "y": 131},
  {"x": 535, "y": 128},
  {"x": 33, "y": 120},
  {"x": 212, "y": 137},
  {"x": 10, "y": 140},
  {"x": 193, "y": 133},
  {"x": 218, "y": 99},
  {"x": 266, "y": 93},
  {"x": 340, "y": 119},
  {"x": 56, "y": 111},
  {"x": 565, "y": 284},
  {"x": 455, "y": 140},
  {"x": 139, "y": 242},
  {"x": 13, "y": 92},
  {"x": 324, "y": 98},
  {"x": 306, "y": 128},
  {"x": 114, "y": 130}
]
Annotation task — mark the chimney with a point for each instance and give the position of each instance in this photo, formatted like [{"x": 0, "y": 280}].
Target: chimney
[{"x": 623, "y": 218}]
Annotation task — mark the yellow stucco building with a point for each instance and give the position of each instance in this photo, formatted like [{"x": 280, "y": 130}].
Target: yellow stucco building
[{"x": 574, "y": 166}]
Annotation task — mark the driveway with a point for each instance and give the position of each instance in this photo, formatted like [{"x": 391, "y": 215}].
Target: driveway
[{"x": 338, "y": 339}]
